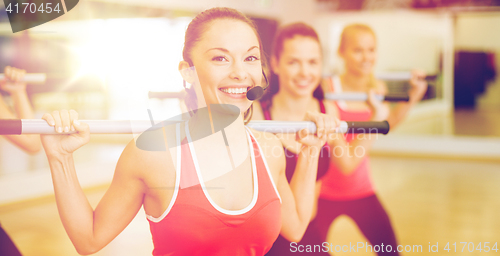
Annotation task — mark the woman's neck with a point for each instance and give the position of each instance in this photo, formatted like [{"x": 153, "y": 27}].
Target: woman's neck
[
  {"x": 207, "y": 121},
  {"x": 355, "y": 82},
  {"x": 292, "y": 106},
  {"x": 214, "y": 129}
]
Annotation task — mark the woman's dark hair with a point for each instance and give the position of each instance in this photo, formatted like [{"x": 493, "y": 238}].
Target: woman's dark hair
[
  {"x": 284, "y": 33},
  {"x": 194, "y": 33}
]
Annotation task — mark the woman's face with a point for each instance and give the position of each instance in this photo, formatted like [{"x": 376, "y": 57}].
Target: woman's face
[
  {"x": 359, "y": 53},
  {"x": 299, "y": 66},
  {"x": 227, "y": 62}
]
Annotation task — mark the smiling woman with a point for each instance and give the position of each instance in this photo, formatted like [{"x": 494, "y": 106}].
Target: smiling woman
[
  {"x": 296, "y": 60},
  {"x": 213, "y": 58},
  {"x": 197, "y": 200}
]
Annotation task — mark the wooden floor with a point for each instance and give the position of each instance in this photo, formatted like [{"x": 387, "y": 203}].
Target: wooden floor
[
  {"x": 477, "y": 122},
  {"x": 429, "y": 201},
  {"x": 434, "y": 201}
]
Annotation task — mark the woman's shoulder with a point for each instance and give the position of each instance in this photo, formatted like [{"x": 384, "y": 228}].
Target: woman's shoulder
[
  {"x": 268, "y": 143},
  {"x": 266, "y": 138},
  {"x": 139, "y": 161},
  {"x": 271, "y": 148},
  {"x": 330, "y": 107}
]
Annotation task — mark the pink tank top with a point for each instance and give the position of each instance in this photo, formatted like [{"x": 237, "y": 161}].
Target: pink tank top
[
  {"x": 194, "y": 225},
  {"x": 358, "y": 184}
]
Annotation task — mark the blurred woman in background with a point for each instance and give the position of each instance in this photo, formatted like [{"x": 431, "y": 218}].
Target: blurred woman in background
[
  {"x": 347, "y": 188},
  {"x": 297, "y": 62},
  {"x": 344, "y": 181}
]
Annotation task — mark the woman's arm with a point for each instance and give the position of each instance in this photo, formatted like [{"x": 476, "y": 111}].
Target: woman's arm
[
  {"x": 22, "y": 107},
  {"x": 298, "y": 197},
  {"x": 416, "y": 93},
  {"x": 90, "y": 230},
  {"x": 258, "y": 115}
]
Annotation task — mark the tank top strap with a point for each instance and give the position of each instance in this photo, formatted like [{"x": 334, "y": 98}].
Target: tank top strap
[
  {"x": 261, "y": 162},
  {"x": 178, "y": 170},
  {"x": 189, "y": 177},
  {"x": 322, "y": 107}
]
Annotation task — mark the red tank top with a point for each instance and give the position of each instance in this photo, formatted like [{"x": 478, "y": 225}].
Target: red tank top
[
  {"x": 194, "y": 225},
  {"x": 358, "y": 184}
]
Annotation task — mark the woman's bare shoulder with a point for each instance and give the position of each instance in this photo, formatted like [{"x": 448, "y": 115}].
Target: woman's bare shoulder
[
  {"x": 266, "y": 138},
  {"x": 272, "y": 150},
  {"x": 330, "y": 108},
  {"x": 138, "y": 161}
]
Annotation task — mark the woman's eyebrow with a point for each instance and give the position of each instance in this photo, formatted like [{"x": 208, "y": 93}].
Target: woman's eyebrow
[
  {"x": 253, "y": 47},
  {"x": 290, "y": 58},
  {"x": 226, "y": 51},
  {"x": 220, "y": 49}
]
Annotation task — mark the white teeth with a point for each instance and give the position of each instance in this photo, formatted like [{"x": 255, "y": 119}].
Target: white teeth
[{"x": 234, "y": 90}]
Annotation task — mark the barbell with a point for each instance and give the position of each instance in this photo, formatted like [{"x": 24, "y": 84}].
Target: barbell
[
  {"x": 33, "y": 78},
  {"x": 348, "y": 96},
  {"x": 40, "y": 126}
]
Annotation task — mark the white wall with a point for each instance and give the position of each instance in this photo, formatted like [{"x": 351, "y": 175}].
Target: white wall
[
  {"x": 478, "y": 31},
  {"x": 283, "y": 10},
  {"x": 406, "y": 39}
]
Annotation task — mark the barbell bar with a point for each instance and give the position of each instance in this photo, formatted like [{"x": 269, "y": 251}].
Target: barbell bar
[
  {"x": 33, "y": 78},
  {"x": 40, "y": 126},
  {"x": 348, "y": 96},
  {"x": 359, "y": 96}
]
